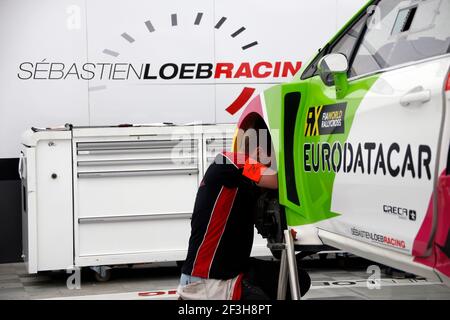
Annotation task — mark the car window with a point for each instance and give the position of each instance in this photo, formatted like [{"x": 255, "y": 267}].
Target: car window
[
  {"x": 311, "y": 70},
  {"x": 404, "y": 31},
  {"x": 344, "y": 44}
]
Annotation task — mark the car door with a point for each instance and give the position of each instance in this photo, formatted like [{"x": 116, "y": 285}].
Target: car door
[
  {"x": 305, "y": 187},
  {"x": 369, "y": 160}
]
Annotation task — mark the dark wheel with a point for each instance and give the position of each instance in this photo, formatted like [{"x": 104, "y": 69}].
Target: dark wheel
[
  {"x": 270, "y": 220},
  {"x": 103, "y": 275},
  {"x": 269, "y": 217}
]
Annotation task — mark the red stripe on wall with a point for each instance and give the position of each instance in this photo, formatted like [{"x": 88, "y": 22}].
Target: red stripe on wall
[
  {"x": 216, "y": 227},
  {"x": 242, "y": 99}
]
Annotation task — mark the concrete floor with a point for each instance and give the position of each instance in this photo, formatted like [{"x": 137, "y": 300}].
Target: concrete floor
[{"x": 331, "y": 279}]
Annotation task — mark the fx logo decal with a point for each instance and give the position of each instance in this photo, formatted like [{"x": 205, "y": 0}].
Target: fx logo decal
[{"x": 327, "y": 119}]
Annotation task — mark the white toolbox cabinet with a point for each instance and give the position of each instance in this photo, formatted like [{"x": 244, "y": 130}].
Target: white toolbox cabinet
[{"x": 100, "y": 196}]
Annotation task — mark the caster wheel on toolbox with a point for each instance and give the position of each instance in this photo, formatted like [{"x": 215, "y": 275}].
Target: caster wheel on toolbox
[{"x": 103, "y": 274}]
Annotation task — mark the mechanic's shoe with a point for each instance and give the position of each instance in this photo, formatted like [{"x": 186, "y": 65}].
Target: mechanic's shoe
[{"x": 252, "y": 292}]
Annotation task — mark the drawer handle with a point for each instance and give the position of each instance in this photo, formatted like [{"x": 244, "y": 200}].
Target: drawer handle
[{"x": 136, "y": 173}]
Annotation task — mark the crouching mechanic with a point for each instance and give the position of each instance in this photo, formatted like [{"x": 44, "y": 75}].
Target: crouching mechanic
[{"x": 218, "y": 264}]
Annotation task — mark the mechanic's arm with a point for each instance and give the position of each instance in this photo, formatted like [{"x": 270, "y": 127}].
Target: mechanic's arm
[
  {"x": 269, "y": 179},
  {"x": 263, "y": 176}
]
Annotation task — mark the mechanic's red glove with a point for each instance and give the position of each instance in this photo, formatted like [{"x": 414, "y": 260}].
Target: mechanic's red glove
[{"x": 253, "y": 170}]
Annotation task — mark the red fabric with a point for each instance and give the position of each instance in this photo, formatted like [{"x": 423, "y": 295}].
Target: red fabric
[
  {"x": 237, "y": 291},
  {"x": 216, "y": 227},
  {"x": 422, "y": 237},
  {"x": 437, "y": 259},
  {"x": 442, "y": 261},
  {"x": 254, "y": 170}
]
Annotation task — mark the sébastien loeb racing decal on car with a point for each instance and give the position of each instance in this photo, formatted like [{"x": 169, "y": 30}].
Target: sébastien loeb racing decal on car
[{"x": 378, "y": 238}]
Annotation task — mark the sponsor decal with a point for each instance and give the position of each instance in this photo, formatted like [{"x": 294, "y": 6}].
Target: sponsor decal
[
  {"x": 379, "y": 238},
  {"x": 148, "y": 71},
  {"x": 368, "y": 158},
  {"x": 327, "y": 119},
  {"x": 188, "y": 72},
  {"x": 402, "y": 213}
]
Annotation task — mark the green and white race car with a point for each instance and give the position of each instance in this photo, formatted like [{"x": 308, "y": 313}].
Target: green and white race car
[{"x": 362, "y": 135}]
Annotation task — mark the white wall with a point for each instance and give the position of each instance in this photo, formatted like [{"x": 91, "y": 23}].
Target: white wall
[
  {"x": 34, "y": 31},
  {"x": 286, "y": 30}
]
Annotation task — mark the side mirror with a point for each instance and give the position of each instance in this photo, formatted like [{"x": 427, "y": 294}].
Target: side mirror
[{"x": 333, "y": 69}]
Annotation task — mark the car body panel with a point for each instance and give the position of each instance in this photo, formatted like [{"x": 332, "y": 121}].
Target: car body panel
[{"x": 389, "y": 198}]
